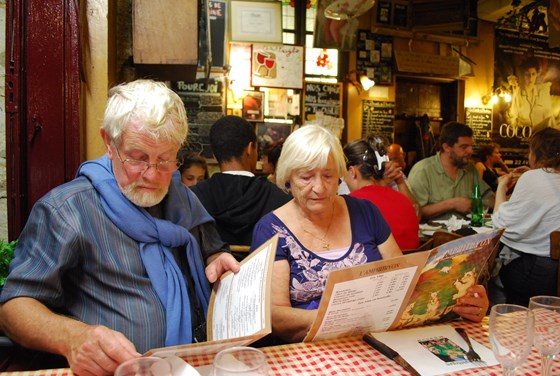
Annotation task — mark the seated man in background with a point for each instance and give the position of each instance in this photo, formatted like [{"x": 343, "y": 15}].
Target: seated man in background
[
  {"x": 443, "y": 183},
  {"x": 397, "y": 154},
  {"x": 395, "y": 175},
  {"x": 235, "y": 197},
  {"x": 112, "y": 263}
]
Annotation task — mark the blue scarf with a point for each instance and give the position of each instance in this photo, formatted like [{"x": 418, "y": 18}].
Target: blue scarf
[{"x": 156, "y": 236}]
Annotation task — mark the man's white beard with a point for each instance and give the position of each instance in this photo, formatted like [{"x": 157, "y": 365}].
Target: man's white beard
[{"x": 142, "y": 199}]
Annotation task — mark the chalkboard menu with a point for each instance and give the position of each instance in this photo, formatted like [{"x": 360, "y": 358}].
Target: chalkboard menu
[
  {"x": 378, "y": 118},
  {"x": 205, "y": 103},
  {"x": 479, "y": 119},
  {"x": 322, "y": 97}
]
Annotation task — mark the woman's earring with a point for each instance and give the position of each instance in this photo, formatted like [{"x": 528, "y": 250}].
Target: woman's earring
[{"x": 287, "y": 185}]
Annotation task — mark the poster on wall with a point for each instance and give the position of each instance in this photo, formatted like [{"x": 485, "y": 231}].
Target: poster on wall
[
  {"x": 526, "y": 69},
  {"x": 277, "y": 65},
  {"x": 253, "y": 106},
  {"x": 338, "y": 34}
]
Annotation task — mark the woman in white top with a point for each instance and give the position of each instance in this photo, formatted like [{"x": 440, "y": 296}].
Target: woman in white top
[{"x": 529, "y": 216}]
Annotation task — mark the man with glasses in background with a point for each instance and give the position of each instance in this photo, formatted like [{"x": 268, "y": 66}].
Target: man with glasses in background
[{"x": 119, "y": 260}]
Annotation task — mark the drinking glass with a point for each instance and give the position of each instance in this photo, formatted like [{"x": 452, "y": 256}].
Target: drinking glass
[
  {"x": 547, "y": 329},
  {"x": 237, "y": 361},
  {"x": 511, "y": 335},
  {"x": 144, "y": 366}
]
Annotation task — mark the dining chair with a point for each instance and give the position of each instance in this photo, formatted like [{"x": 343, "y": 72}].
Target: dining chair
[
  {"x": 239, "y": 251},
  {"x": 438, "y": 238},
  {"x": 555, "y": 254}
]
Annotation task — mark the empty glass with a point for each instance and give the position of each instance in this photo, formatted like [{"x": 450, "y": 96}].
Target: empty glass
[
  {"x": 237, "y": 361},
  {"x": 511, "y": 335},
  {"x": 144, "y": 366},
  {"x": 547, "y": 329}
]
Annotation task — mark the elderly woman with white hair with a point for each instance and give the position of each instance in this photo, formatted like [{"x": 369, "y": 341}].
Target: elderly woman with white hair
[{"x": 320, "y": 231}]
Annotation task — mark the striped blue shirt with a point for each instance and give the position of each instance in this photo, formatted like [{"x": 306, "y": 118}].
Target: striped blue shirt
[{"x": 74, "y": 260}]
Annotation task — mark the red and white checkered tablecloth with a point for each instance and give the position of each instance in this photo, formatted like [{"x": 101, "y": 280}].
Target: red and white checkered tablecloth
[{"x": 345, "y": 356}]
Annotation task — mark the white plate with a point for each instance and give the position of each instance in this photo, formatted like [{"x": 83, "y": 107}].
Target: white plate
[
  {"x": 488, "y": 224},
  {"x": 428, "y": 232},
  {"x": 427, "y": 227}
]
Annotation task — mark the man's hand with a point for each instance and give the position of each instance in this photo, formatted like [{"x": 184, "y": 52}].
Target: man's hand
[
  {"x": 220, "y": 263},
  {"x": 98, "y": 350},
  {"x": 474, "y": 305},
  {"x": 462, "y": 204}
]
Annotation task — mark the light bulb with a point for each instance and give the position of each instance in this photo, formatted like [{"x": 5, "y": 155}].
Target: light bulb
[{"x": 366, "y": 82}]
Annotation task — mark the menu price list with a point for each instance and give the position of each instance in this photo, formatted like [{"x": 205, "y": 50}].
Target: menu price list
[
  {"x": 322, "y": 97},
  {"x": 479, "y": 119},
  {"x": 378, "y": 118}
]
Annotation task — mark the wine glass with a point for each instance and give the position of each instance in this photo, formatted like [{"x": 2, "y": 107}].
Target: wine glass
[
  {"x": 260, "y": 57},
  {"x": 237, "y": 361},
  {"x": 511, "y": 335},
  {"x": 269, "y": 64},
  {"x": 547, "y": 329}
]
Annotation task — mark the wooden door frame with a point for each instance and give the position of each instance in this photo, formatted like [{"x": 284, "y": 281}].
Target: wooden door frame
[{"x": 24, "y": 128}]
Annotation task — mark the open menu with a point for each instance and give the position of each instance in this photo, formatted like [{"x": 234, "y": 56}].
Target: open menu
[
  {"x": 239, "y": 308},
  {"x": 407, "y": 291}
]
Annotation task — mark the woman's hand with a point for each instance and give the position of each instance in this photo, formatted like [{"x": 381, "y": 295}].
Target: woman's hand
[
  {"x": 474, "y": 305},
  {"x": 393, "y": 172}
]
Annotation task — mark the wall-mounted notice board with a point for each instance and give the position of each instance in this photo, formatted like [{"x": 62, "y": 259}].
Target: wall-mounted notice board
[
  {"x": 323, "y": 97},
  {"x": 378, "y": 117}
]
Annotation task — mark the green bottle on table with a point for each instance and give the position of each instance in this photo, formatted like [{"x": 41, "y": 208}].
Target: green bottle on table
[{"x": 477, "y": 209}]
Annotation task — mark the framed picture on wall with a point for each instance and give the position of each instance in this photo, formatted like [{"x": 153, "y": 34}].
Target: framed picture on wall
[
  {"x": 272, "y": 133},
  {"x": 253, "y": 106},
  {"x": 277, "y": 65},
  {"x": 256, "y": 21}
]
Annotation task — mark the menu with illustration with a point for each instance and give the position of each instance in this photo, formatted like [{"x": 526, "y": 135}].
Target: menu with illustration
[
  {"x": 239, "y": 308},
  {"x": 407, "y": 291}
]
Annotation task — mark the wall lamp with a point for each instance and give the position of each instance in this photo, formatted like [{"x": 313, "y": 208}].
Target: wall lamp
[
  {"x": 360, "y": 80},
  {"x": 496, "y": 95}
]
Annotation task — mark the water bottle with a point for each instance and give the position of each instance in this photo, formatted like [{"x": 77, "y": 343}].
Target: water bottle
[{"x": 477, "y": 209}]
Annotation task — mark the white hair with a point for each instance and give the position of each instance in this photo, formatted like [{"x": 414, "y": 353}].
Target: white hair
[
  {"x": 158, "y": 109},
  {"x": 308, "y": 148}
]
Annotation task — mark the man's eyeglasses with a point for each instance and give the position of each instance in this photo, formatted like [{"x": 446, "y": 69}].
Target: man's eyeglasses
[{"x": 138, "y": 166}]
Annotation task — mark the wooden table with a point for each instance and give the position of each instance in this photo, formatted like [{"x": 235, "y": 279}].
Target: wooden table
[{"x": 347, "y": 356}]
